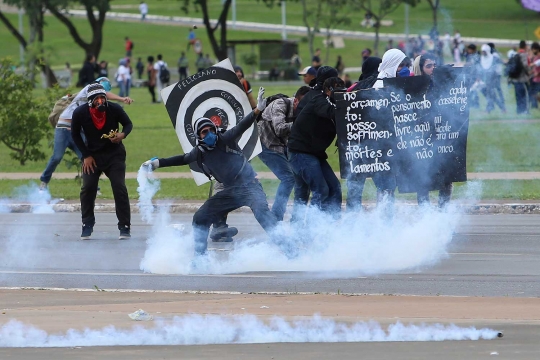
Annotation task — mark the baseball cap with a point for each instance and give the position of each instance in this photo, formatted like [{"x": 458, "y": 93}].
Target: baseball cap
[{"x": 308, "y": 70}]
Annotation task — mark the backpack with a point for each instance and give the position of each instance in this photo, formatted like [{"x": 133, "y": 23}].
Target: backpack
[
  {"x": 132, "y": 45},
  {"x": 164, "y": 74},
  {"x": 59, "y": 108},
  {"x": 514, "y": 67},
  {"x": 273, "y": 98}
]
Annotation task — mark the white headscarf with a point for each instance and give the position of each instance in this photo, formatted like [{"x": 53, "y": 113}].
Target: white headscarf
[
  {"x": 486, "y": 60},
  {"x": 388, "y": 67}
]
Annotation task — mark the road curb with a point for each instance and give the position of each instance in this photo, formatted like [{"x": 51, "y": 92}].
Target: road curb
[{"x": 479, "y": 209}]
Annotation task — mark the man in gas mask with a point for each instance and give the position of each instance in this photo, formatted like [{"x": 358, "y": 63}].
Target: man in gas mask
[
  {"x": 313, "y": 131},
  {"x": 103, "y": 152},
  {"x": 218, "y": 155}
]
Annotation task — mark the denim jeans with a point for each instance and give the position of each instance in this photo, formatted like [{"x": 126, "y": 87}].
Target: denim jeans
[
  {"x": 125, "y": 86},
  {"x": 314, "y": 174},
  {"x": 62, "y": 141},
  {"x": 355, "y": 189},
  {"x": 227, "y": 200},
  {"x": 277, "y": 162},
  {"x": 522, "y": 97}
]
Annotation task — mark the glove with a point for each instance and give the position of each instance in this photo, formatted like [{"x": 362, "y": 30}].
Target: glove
[
  {"x": 151, "y": 164},
  {"x": 261, "y": 101}
]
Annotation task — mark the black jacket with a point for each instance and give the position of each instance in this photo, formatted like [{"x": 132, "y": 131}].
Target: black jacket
[
  {"x": 87, "y": 73},
  {"x": 314, "y": 129},
  {"x": 225, "y": 162},
  {"x": 94, "y": 143}
]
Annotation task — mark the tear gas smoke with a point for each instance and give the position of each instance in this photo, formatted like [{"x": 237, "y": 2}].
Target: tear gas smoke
[
  {"x": 148, "y": 187},
  {"x": 41, "y": 201},
  {"x": 241, "y": 329},
  {"x": 366, "y": 243}
]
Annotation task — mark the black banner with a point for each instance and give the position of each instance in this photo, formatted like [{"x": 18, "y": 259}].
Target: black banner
[{"x": 414, "y": 128}]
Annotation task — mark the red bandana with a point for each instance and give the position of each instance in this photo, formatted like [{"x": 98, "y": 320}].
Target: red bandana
[{"x": 98, "y": 118}]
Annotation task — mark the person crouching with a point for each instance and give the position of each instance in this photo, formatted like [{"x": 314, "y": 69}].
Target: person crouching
[{"x": 103, "y": 152}]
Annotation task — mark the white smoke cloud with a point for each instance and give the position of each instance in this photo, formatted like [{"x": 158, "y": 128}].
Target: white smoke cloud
[
  {"x": 240, "y": 329},
  {"x": 40, "y": 201},
  {"x": 367, "y": 243}
]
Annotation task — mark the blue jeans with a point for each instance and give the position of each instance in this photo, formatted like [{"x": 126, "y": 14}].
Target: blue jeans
[
  {"x": 124, "y": 88},
  {"x": 355, "y": 189},
  {"x": 522, "y": 97},
  {"x": 315, "y": 175},
  {"x": 62, "y": 141},
  {"x": 280, "y": 166}
]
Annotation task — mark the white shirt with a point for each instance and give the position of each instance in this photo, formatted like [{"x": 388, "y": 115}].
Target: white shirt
[
  {"x": 143, "y": 8},
  {"x": 158, "y": 64},
  {"x": 79, "y": 100},
  {"x": 123, "y": 73}
]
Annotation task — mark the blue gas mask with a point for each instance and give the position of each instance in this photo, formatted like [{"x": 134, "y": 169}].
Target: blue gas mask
[{"x": 210, "y": 139}]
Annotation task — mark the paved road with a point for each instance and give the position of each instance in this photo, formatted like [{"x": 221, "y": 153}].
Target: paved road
[{"x": 490, "y": 255}]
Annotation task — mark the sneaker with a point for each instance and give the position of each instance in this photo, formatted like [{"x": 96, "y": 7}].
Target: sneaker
[
  {"x": 86, "y": 231},
  {"x": 43, "y": 186},
  {"x": 124, "y": 233},
  {"x": 223, "y": 234}
]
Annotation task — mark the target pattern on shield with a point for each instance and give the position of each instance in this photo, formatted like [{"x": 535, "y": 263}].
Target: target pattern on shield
[{"x": 215, "y": 93}]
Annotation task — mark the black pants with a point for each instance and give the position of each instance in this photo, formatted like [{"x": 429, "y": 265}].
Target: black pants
[
  {"x": 227, "y": 200},
  {"x": 152, "y": 90},
  {"x": 114, "y": 166},
  {"x": 182, "y": 71}
]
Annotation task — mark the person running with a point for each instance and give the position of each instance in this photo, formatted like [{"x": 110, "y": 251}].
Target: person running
[
  {"x": 219, "y": 155},
  {"x": 62, "y": 132},
  {"x": 103, "y": 152}
]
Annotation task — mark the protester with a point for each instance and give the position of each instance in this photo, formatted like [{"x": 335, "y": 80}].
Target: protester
[
  {"x": 392, "y": 63},
  {"x": 309, "y": 74},
  {"x": 487, "y": 72},
  {"x": 208, "y": 62},
  {"x": 535, "y": 74},
  {"x": 245, "y": 85},
  {"x": 347, "y": 81},
  {"x": 200, "y": 63},
  {"x": 96, "y": 118},
  {"x": 316, "y": 59},
  {"x": 355, "y": 186},
  {"x": 103, "y": 71},
  {"x": 62, "y": 132},
  {"x": 88, "y": 71},
  {"x": 218, "y": 153},
  {"x": 152, "y": 78},
  {"x": 123, "y": 77},
  {"x": 424, "y": 65},
  {"x": 369, "y": 74},
  {"x": 143, "y": 8},
  {"x": 324, "y": 72},
  {"x": 313, "y": 131},
  {"x": 183, "y": 65},
  {"x": 366, "y": 53},
  {"x": 499, "y": 97},
  {"x": 521, "y": 79},
  {"x": 191, "y": 39},
  {"x": 129, "y": 47},
  {"x": 340, "y": 66},
  {"x": 274, "y": 129},
  {"x": 140, "y": 68},
  {"x": 161, "y": 68}
]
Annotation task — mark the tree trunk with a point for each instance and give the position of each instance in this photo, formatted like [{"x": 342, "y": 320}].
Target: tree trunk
[
  {"x": 435, "y": 17},
  {"x": 376, "y": 43},
  {"x": 220, "y": 50}
]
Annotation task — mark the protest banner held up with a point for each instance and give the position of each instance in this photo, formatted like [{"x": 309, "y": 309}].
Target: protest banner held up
[{"x": 414, "y": 128}]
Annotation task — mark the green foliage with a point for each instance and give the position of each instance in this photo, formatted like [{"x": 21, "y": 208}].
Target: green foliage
[
  {"x": 250, "y": 59},
  {"x": 23, "y": 118}
]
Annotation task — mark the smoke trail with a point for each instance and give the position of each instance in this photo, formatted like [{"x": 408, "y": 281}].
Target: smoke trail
[
  {"x": 241, "y": 329},
  {"x": 148, "y": 187}
]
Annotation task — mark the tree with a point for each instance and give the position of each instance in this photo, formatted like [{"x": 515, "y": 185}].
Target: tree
[
  {"x": 311, "y": 16},
  {"x": 379, "y": 12},
  {"x": 332, "y": 18},
  {"x": 434, "y": 4},
  {"x": 22, "y": 124},
  {"x": 35, "y": 10},
  {"x": 56, "y": 8}
]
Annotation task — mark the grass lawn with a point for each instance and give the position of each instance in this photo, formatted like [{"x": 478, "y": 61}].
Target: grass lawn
[
  {"x": 185, "y": 189},
  {"x": 480, "y": 18}
]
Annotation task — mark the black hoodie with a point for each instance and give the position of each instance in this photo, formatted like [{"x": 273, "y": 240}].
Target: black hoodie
[{"x": 324, "y": 72}]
